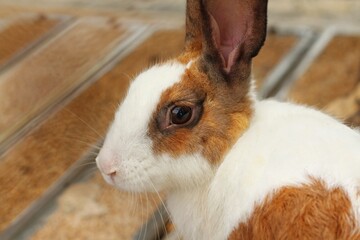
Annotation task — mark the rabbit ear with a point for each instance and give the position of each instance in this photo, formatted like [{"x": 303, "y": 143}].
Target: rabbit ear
[
  {"x": 193, "y": 36},
  {"x": 233, "y": 33}
]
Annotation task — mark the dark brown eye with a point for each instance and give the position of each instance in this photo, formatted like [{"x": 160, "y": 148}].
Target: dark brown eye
[{"x": 180, "y": 114}]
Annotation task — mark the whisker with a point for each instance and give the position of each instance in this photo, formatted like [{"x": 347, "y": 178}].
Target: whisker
[
  {"x": 87, "y": 164},
  {"x": 156, "y": 223},
  {"x": 89, "y": 172},
  {"x": 126, "y": 75},
  {"x": 143, "y": 233},
  {"x": 86, "y": 124},
  {"x": 114, "y": 107},
  {"x": 93, "y": 154},
  {"x": 147, "y": 212},
  {"x": 163, "y": 204},
  {"x": 134, "y": 201},
  {"x": 88, "y": 144}
]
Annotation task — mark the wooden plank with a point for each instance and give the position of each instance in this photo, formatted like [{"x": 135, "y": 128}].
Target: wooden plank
[
  {"x": 274, "y": 50},
  {"x": 20, "y": 33},
  {"x": 333, "y": 74},
  {"x": 46, "y": 76}
]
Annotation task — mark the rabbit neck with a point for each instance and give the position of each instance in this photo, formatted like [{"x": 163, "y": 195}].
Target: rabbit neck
[{"x": 195, "y": 215}]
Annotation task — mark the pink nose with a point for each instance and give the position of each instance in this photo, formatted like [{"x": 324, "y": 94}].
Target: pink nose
[{"x": 106, "y": 164}]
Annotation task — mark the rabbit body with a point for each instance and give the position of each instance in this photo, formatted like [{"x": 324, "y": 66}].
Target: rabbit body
[{"x": 285, "y": 145}]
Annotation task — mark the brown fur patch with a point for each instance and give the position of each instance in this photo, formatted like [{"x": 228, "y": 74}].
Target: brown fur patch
[
  {"x": 308, "y": 212},
  {"x": 193, "y": 35},
  {"x": 187, "y": 56},
  {"x": 225, "y": 116}
]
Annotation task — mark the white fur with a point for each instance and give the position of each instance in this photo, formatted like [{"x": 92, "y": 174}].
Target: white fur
[{"x": 284, "y": 144}]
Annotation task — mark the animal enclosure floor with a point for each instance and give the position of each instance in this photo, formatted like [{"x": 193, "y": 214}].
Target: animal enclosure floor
[
  {"x": 53, "y": 70},
  {"x": 62, "y": 76},
  {"x": 333, "y": 74},
  {"x": 21, "y": 32}
]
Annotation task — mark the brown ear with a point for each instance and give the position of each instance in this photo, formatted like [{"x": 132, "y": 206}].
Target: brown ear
[
  {"x": 193, "y": 36},
  {"x": 233, "y": 33}
]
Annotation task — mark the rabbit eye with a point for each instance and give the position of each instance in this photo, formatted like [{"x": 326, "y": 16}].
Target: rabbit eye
[{"x": 180, "y": 114}]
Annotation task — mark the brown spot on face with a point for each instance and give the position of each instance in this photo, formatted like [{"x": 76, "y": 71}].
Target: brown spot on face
[
  {"x": 221, "y": 38},
  {"x": 307, "y": 212},
  {"x": 224, "y": 117}
]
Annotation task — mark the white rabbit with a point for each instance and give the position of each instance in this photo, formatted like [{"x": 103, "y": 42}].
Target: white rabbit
[{"x": 233, "y": 167}]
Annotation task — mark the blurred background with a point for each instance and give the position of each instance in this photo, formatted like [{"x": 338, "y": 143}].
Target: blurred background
[{"x": 65, "y": 66}]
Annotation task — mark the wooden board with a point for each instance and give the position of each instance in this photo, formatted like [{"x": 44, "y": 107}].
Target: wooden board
[
  {"x": 333, "y": 74},
  {"x": 275, "y": 48},
  {"x": 21, "y": 33},
  {"x": 54, "y": 70}
]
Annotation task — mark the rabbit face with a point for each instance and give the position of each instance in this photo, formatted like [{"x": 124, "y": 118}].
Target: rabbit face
[
  {"x": 172, "y": 129},
  {"x": 126, "y": 159}
]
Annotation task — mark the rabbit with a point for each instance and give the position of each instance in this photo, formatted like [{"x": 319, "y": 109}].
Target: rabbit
[{"x": 232, "y": 166}]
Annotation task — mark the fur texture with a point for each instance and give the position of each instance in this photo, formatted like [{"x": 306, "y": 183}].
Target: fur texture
[
  {"x": 238, "y": 166},
  {"x": 309, "y": 211}
]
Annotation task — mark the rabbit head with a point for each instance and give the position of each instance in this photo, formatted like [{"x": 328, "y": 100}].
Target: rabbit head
[{"x": 181, "y": 117}]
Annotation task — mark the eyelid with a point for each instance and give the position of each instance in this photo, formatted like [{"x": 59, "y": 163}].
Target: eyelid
[
  {"x": 181, "y": 103},
  {"x": 163, "y": 118}
]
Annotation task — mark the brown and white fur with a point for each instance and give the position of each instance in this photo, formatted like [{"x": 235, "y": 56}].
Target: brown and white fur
[{"x": 233, "y": 167}]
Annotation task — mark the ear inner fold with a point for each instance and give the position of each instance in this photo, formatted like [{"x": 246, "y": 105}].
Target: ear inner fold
[
  {"x": 234, "y": 29},
  {"x": 228, "y": 23}
]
